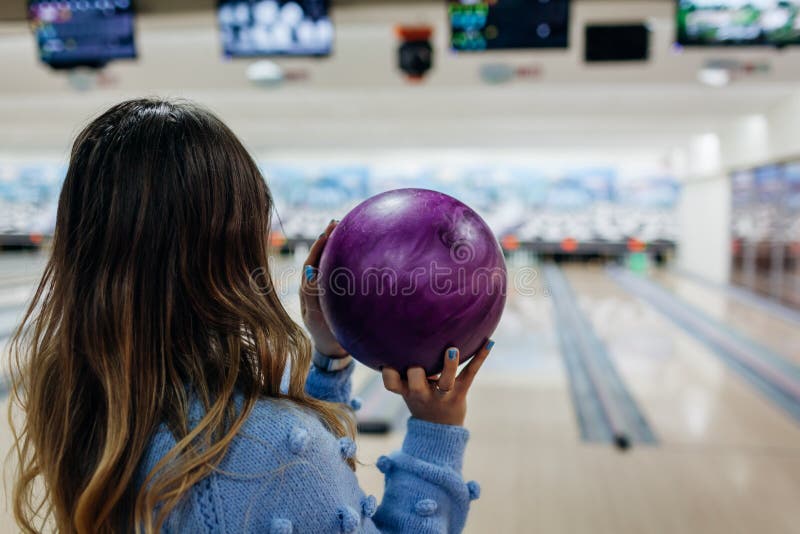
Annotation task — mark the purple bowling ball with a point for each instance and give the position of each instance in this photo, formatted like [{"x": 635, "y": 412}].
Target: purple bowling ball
[{"x": 408, "y": 273}]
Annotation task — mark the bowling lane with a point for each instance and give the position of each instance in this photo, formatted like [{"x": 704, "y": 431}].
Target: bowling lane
[
  {"x": 19, "y": 273},
  {"x": 536, "y": 474},
  {"x": 6, "y": 444},
  {"x": 524, "y": 382},
  {"x": 770, "y": 330},
  {"x": 690, "y": 396},
  {"x": 721, "y": 443},
  {"x": 519, "y": 405}
]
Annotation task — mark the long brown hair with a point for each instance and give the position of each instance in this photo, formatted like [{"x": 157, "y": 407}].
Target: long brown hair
[{"x": 147, "y": 302}]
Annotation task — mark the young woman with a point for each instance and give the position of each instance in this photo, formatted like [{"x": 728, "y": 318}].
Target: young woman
[{"x": 148, "y": 368}]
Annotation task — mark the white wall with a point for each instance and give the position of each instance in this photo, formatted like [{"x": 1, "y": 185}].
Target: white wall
[
  {"x": 704, "y": 235},
  {"x": 357, "y": 97},
  {"x": 784, "y": 128},
  {"x": 750, "y": 140},
  {"x": 704, "y": 210}
]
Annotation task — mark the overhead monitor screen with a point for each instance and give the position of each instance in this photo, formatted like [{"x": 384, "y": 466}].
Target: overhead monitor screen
[
  {"x": 618, "y": 42},
  {"x": 253, "y": 28},
  {"x": 83, "y": 33},
  {"x": 507, "y": 24},
  {"x": 738, "y": 22}
]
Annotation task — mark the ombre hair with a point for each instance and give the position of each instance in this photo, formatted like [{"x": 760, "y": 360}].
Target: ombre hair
[{"x": 146, "y": 305}]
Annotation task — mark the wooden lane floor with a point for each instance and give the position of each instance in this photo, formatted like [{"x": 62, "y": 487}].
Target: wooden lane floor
[
  {"x": 519, "y": 409},
  {"x": 690, "y": 395},
  {"x": 605, "y": 409},
  {"x": 716, "y": 432},
  {"x": 727, "y": 461},
  {"x": 772, "y": 330}
]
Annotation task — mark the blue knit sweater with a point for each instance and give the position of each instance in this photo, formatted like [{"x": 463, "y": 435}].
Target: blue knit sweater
[{"x": 284, "y": 473}]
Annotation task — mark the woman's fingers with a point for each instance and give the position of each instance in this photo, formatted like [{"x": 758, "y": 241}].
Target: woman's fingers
[
  {"x": 418, "y": 384},
  {"x": 421, "y": 397},
  {"x": 464, "y": 380},
  {"x": 309, "y": 299},
  {"x": 315, "y": 252},
  {"x": 448, "y": 377},
  {"x": 392, "y": 381}
]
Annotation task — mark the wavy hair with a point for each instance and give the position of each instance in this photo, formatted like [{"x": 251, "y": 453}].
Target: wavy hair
[{"x": 146, "y": 303}]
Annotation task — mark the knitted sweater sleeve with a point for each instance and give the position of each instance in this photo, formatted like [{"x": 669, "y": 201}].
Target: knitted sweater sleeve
[
  {"x": 424, "y": 491},
  {"x": 330, "y": 386}
]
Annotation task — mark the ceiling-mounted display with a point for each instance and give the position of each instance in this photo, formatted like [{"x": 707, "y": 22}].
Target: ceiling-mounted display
[
  {"x": 616, "y": 42},
  {"x": 252, "y": 28},
  {"x": 738, "y": 22},
  {"x": 83, "y": 33},
  {"x": 507, "y": 24}
]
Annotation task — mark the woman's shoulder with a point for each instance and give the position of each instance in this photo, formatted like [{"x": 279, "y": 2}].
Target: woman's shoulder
[
  {"x": 275, "y": 432},
  {"x": 281, "y": 431},
  {"x": 283, "y": 466}
]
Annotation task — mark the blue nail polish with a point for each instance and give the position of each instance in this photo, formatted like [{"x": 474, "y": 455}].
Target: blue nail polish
[
  {"x": 490, "y": 344},
  {"x": 309, "y": 273},
  {"x": 452, "y": 354}
]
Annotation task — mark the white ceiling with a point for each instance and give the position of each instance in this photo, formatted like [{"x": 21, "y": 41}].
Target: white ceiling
[{"x": 357, "y": 99}]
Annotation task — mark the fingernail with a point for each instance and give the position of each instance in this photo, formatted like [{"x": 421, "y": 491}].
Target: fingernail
[
  {"x": 490, "y": 344},
  {"x": 452, "y": 353},
  {"x": 333, "y": 221},
  {"x": 309, "y": 271},
  {"x": 321, "y": 235}
]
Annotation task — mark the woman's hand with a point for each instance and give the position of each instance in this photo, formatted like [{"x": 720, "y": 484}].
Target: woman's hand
[
  {"x": 442, "y": 400},
  {"x": 318, "y": 328}
]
